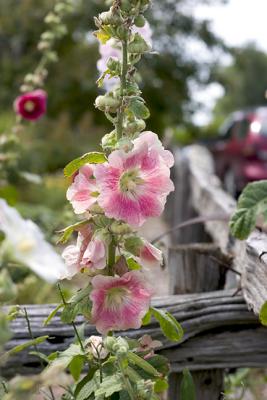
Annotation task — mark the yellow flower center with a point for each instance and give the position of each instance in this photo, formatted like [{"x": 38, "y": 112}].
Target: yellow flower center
[
  {"x": 115, "y": 297},
  {"x": 26, "y": 245},
  {"x": 29, "y": 106},
  {"x": 130, "y": 180}
]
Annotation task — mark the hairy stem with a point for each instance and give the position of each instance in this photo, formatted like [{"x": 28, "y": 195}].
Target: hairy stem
[
  {"x": 111, "y": 257},
  {"x": 126, "y": 382},
  {"x": 122, "y": 87},
  {"x": 73, "y": 324}
]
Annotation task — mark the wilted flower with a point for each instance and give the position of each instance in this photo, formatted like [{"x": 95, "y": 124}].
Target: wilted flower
[
  {"x": 26, "y": 244},
  {"x": 147, "y": 344},
  {"x": 89, "y": 252},
  {"x": 82, "y": 192},
  {"x": 97, "y": 347},
  {"x": 149, "y": 256},
  {"x": 133, "y": 186},
  {"x": 119, "y": 303},
  {"x": 31, "y": 105}
]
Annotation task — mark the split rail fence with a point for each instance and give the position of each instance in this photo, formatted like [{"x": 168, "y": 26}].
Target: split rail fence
[{"x": 206, "y": 267}]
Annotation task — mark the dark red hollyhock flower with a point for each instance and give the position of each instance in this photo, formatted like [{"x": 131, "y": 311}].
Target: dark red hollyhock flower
[{"x": 31, "y": 105}]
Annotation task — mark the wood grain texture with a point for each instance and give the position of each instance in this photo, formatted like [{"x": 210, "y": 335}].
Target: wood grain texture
[
  {"x": 216, "y": 324},
  {"x": 208, "y": 198}
]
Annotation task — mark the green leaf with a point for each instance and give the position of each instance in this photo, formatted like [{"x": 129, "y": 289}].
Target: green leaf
[
  {"x": 147, "y": 318},
  {"x": 69, "y": 313},
  {"x": 133, "y": 245},
  {"x": 263, "y": 314},
  {"x": 138, "y": 108},
  {"x": 251, "y": 203},
  {"x": 89, "y": 387},
  {"x": 92, "y": 158},
  {"x": 85, "y": 380},
  {"x": 141, "y": 363},
  {"x": 187, "y": 389},
  {"x": 170, "y": 327},
  {"x": 53, "y": 313},
  {"x": 109, "y": 385},
  {"x": 133, "y": 265},
  {"x": 23, "y": 346},
  {"x": 76, "y": 366},
  {"x": 67, "y": 232},
  {"x": 161, "y": 385}
]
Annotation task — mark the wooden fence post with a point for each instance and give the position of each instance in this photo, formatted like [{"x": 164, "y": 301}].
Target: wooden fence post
[{"x": 191, "y": 271}]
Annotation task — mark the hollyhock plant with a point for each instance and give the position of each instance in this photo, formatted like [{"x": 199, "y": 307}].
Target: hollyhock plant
[
  {"x": 88, "y": 253},
  {"x": 31, "y": 105},
  {"x": 133, "y": 186},
  {"x": 119, "y": 303},
  {"x": 83, "y": 191}
]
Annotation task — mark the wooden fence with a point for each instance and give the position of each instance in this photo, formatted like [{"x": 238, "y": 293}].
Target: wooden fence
[{"x": 206, "y": 267}]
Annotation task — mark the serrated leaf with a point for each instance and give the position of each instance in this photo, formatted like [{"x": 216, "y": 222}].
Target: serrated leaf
[
  {"x": 169, "y": 326},
  {"x": 251, "y": 203},
  {"x": 263, "y": 314},
  {"x": 88, "y": 158},
  {"x": 53, "y": 313},
  {"x": 187, "y": 389},
  {"x": 67, "y": 232}
]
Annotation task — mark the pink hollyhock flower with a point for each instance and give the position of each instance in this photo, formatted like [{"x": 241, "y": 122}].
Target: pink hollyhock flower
[
  {"x": 87, "y": 253},
  {"x": 31, "y": 105},
  {"x": 83, "y": 191},
  {"x": 133, "y": 186},
  {"x": 154, "y": 144},
  {"x": 149, "y": 256},
  {"x": 119, "y": 303}
]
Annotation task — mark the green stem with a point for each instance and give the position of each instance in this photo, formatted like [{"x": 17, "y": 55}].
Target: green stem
[
  {"x": 111, "y": 257},
  {"x": 123, "y": 86},
  {"x": 126, "y": 382},
  {"x": 73, "y": 324}
]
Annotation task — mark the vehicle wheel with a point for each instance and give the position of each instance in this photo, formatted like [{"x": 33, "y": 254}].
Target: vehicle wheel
[{"x": 229, "y": 183}]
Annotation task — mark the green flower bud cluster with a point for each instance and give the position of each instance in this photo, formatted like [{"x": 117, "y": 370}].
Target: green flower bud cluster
[
  {"x": 117, "y": 346},
  {"x": 125, "y": 101},
  {"x": 56, "y": 29}
]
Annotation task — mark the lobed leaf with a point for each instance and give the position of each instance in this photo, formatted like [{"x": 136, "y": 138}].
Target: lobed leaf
[
  {"x": 88, "y": 158},
  {"x": 251, "y": 203}
]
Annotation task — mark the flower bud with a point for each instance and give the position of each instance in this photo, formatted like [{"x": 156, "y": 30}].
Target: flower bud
[
  {"x": 107, "y": 103},
  {"x": 138, "y": 45},
  {"x": 109, "y": 18},
  {"x": 140, "y": 21},
  {"x": 47, "y": 36},
  {"x": 137, "y": 126},
  {"x": 120, "y": 228},
  {"x": 109, "y": 141},
  {"x": 126, "y": 5},
  {"x": 109, "y": 342},
  {"x": 43, "y": 45}
]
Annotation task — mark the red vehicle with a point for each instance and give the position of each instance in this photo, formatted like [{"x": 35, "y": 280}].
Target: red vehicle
[{"x": 240, "y": 153}]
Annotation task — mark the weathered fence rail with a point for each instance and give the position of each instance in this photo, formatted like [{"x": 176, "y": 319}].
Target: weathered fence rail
[{"x": 220, "y": 330}]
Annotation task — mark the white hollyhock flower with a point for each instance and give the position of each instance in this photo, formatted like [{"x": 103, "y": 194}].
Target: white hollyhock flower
[{"x": 27, "y": 244}]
